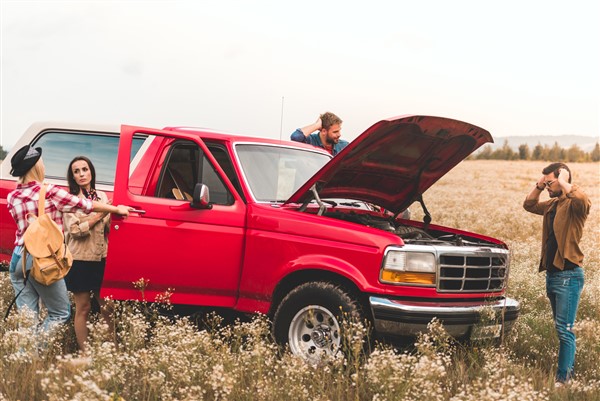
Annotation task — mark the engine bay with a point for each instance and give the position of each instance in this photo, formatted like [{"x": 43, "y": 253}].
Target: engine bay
[{"x": 410, "y": 234}]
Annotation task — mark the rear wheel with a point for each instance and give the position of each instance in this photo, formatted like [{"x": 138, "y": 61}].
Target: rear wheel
[{"x": 309, "y": 319}]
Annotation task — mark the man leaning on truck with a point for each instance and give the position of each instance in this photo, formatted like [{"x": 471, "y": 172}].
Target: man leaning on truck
[{"x": 324, "y": 133}]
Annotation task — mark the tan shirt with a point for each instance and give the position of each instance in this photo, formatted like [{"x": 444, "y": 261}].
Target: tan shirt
[
  {"x": 572, "y": 210},
  {"x": 85, "y": 243}
]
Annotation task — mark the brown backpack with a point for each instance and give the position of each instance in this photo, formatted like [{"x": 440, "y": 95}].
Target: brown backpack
[{"x": 45, "y": 242}]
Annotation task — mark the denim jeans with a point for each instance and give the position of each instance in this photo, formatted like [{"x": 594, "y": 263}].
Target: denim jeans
[
  {"x": 564, "y": 289},
  {"x": 53, "y": 296}
]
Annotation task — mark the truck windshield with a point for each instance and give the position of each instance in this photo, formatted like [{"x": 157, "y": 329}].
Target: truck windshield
[{"x": 273, "y": 173}]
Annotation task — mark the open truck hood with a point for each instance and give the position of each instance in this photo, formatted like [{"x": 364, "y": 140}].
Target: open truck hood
[{"x": 394, "y": 161}]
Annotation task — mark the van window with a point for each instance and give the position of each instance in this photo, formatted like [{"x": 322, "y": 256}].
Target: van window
[{"x": 59, "y": 148}]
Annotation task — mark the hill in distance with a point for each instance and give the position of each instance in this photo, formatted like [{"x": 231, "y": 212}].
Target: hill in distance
[{"x": 585, "y": 143}]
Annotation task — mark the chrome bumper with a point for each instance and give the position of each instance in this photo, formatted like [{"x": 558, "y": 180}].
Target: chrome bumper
[{"x": 407, "y": 318}]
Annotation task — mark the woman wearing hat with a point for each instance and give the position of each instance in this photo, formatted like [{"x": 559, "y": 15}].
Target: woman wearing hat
[{"x": 27, "y": 164}]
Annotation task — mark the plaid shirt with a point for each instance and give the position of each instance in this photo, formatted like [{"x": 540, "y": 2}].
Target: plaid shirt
[{"x": 24, "y": 200}]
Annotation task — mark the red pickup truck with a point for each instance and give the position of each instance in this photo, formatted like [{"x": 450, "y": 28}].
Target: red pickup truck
[{"x": 281, "y": 228}]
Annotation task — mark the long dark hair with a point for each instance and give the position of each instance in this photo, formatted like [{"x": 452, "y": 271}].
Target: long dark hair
[{"x": 73, "y": 187}]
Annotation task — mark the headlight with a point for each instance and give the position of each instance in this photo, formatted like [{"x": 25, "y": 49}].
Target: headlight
[
  {"x": 410, "y": 261},
  {"x": 409, "y": 268}
]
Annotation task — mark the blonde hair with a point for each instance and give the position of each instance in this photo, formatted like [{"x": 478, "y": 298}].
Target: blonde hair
[{"x": 36, "y": 173}]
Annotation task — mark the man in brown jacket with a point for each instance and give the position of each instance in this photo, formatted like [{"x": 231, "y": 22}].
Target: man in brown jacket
[{"x": 564, "y": 217}]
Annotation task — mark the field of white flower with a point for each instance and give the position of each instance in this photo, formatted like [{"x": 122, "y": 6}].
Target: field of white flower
[{"x": 159, "y": 359}]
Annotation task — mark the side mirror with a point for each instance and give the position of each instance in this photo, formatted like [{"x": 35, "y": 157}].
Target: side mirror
[{"x": 201, "y": 197}]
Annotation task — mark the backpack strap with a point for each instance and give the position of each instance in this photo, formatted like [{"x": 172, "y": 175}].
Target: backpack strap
[
  {"x": 41, "y": 211},
  {"x": 12, "y": 303},
  {"x": 26, "y": 275},
  {"x": 24, "y": 258},
  {"x": 42, "y": 201}
]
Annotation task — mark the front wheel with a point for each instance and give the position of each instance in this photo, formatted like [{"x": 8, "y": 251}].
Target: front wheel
[{"x": 309, "y": 319}]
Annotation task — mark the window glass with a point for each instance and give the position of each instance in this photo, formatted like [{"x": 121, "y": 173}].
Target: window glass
[
  {"x": 274, "y": 173},
  {"x": 223, "y": 159},
  {"x": 59, "y": 148},
  {"x": 185, "y": 166}
]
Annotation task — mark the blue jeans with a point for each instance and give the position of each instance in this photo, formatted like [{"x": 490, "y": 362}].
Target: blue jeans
[
  {"x": 54, "y": 296},
  {"x": 564, "y": 289}
]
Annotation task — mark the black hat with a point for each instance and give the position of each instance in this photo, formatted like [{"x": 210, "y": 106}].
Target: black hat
[{"x": 24, "y": 160}]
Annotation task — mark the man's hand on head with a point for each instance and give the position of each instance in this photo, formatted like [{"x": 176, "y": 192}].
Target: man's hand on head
[
  {"x": 318, "y": 124},
  {"x": 563, "y": 175}
]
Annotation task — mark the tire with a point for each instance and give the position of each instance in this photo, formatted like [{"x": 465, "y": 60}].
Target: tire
[{"x": 309, "y": 319}]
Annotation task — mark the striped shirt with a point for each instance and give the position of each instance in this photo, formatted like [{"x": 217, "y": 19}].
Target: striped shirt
[{"x": 24, "y": 200}]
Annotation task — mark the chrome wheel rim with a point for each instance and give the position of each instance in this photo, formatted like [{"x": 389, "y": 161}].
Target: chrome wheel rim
[{"x": 314, "y": 333}]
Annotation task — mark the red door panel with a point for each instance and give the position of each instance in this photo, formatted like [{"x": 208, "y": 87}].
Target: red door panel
[{"x": 195, "y": 254}]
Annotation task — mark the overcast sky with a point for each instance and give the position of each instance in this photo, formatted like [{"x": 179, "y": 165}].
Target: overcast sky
[{"x": 512, "y": 67}]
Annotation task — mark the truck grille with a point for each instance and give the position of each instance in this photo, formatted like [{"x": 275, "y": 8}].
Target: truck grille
[{"x": 472, "y": 273}]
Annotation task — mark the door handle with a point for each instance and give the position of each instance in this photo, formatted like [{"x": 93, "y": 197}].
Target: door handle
[{"x": 140, "y": 211}]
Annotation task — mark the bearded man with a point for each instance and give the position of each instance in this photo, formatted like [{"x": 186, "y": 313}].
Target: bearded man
[
  {"x": 561, "y": 257},
  {"x": 324, "y": 133}
]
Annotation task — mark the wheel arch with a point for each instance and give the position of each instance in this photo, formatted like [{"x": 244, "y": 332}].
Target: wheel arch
[{"x": 293, "y": 280}]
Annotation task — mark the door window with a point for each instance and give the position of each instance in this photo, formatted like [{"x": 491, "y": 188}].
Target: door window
[
  {"x": 184, "y": 166},
  {"x": 222, "y": 157}
]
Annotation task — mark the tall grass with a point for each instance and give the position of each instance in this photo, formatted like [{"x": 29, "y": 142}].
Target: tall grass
[{"x": 156, "y": 358}]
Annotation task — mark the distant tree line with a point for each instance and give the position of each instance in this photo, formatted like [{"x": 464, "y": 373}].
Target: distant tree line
[{"x": 539, "y": 152}]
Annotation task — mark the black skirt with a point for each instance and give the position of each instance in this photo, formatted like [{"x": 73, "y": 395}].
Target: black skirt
[{"x": 85, "y": 276}]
